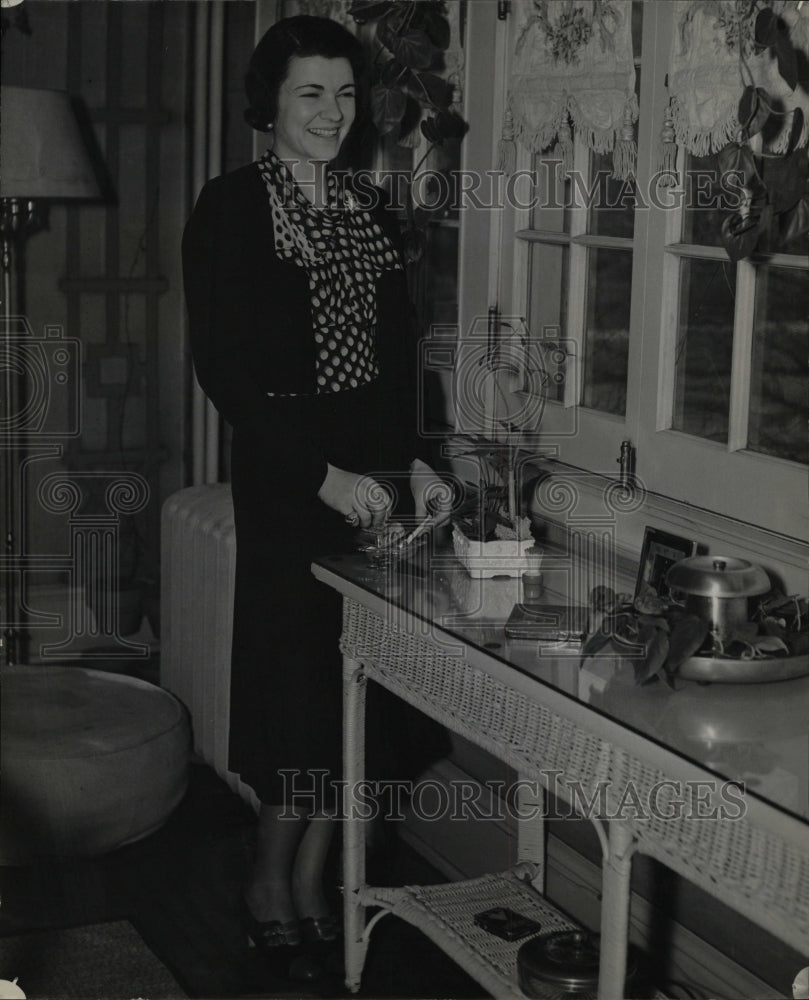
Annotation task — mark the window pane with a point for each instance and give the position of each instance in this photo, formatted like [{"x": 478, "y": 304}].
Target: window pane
[
  {"x": 705, "y": 200},
  {"x": 704, "y": 346},
  {"x": 547, "y": 311},
  {"x": 550, "y": 195},
  {"x": 612, "y": 211},
  {"x": 606, "y": 343},
  {"x": 777, "y": 422}
]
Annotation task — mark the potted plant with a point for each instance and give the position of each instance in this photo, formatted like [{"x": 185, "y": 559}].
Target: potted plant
[{"x": 408, "y": 96}]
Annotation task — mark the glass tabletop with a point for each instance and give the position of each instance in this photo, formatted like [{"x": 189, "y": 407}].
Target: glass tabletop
[{"x": 756, "y": 734}]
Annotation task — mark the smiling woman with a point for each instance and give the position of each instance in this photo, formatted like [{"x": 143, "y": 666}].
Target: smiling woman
[
  {"x": 298, "y": 312},
  {"x": 315, "y": 113}
]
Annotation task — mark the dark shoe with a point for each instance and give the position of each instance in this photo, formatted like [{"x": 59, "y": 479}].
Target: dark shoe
[
  {"x": 280, "y": 945},
  {"x": 320, "y": 930},
  {"x": 271, "y": 937}
]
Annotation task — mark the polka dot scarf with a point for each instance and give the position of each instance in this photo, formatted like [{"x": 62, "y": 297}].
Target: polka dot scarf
[{"x": 343, "y": 251}]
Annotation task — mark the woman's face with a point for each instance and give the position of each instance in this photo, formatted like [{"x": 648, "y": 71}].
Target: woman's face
[{"x": 315, "y": 108}]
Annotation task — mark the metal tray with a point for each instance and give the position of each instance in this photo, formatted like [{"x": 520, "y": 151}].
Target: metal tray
[{"x": 724, "y": 670}]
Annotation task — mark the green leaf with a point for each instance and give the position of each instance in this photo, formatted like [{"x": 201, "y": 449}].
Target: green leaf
[{"x": 387, "y": 108}]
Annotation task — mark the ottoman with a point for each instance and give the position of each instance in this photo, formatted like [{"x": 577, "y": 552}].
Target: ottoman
[{"x": 90, "y": 761}]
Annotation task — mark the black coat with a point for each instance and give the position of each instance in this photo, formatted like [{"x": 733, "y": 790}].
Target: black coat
[{"x": 251, "y": 333}]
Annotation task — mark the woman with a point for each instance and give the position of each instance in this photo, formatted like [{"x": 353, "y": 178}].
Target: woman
[{"x": 298, "y": 307}]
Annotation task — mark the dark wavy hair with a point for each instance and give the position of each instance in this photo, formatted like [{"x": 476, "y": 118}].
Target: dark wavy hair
[{"x": 297, "y": 36}]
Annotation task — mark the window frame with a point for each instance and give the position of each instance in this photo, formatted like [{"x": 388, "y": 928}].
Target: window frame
[{"x": 726, "y": 478}]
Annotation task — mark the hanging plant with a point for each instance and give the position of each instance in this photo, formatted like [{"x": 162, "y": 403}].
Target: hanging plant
[
  {"x": 411, "y": 38},
  {"x": 774, "y": 210}
]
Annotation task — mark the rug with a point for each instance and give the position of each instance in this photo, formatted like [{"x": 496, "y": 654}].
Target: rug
[{"x": 98, "y": 962}]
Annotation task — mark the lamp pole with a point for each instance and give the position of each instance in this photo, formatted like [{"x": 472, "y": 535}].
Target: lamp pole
[{"x": 44, "y": 159}]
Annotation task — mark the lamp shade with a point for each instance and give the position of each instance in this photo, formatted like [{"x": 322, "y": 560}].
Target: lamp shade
[{"x": 42, "y": 152}]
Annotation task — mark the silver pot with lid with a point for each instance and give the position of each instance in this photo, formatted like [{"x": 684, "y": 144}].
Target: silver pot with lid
[{"x": 718, "y": 589}]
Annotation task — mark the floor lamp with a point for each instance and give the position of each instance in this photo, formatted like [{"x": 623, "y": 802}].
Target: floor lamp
[{"x": 45, "y": 160}]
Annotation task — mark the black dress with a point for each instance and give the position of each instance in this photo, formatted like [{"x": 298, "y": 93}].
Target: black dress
[{"x": 251, "y": 334}]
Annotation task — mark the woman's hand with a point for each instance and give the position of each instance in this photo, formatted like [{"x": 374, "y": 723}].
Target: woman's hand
[
  {"x": 433, "y": 497},
  {"x": 356, "y": 496}
]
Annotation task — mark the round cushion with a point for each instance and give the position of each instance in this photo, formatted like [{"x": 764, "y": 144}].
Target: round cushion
[{"x": 91, "y": 761}]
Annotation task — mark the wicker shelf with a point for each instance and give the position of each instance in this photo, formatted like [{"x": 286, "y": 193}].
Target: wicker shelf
[{"x": 445, "y": 914}]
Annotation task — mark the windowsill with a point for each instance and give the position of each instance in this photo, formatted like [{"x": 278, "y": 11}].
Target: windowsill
[{"x": 784, "y": 558}]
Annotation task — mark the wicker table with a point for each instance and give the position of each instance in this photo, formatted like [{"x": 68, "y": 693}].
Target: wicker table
[{"x": 435, "y": 639}]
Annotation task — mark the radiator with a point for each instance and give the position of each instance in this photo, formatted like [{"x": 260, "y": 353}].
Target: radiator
[{"x": 198, "y": 571}]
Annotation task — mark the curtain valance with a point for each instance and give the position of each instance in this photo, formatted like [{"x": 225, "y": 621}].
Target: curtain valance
[
  {"x": 573, "y": 66},
  {"x": 714, "y": 57}
]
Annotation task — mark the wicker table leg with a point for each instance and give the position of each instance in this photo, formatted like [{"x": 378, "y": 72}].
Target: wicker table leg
[
  {"x": 615, "y": 911},
  {"x": 531, "y": 828},
  {"x": 356, "y": 942}
]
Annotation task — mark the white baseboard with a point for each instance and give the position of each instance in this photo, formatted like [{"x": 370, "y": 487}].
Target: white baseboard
[{"x": 466, "y": 848}]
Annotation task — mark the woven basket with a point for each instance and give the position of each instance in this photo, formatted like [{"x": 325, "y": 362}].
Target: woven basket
[{"x": 501, "y": 557}]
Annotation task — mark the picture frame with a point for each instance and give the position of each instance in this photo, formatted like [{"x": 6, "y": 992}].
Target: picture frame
[{"x": 660, "y": 550}]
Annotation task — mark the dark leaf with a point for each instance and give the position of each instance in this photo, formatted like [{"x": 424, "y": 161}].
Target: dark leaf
[
  {"x": 369, "y": 10},
  {"x": 644, "y": 621},
  {"x": 656, "y": 647},
  {"x": 413, "y": 48},
  {"x": 429, "y": 129},
  {"x": 437, "y": 28},
  {"x": 387, "y": 108},
  {"x": 754, "y": 110},
  {"x": 795, "y": 131},
  {"x": 394, "y": 74},
  {"x": 785, "y": 177},
  {"x": 795, "y": 222},
  {"x": 450, "y": 125},
  {"x": 738, "y": 159},
  {"x": 595, "y": 642},
  {"x": 746, "y": 632},
  {"x": 427, "y": 88},
  {"x": 740, "y": 236},
  {"x": 410, "y": 121},
  {"x": 766, "y": 27},
  {"x": 685, "y": 639},
  {"x": 786, "y": 56}
]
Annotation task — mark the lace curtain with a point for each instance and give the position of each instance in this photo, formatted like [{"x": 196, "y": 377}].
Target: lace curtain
[
  {"x": 573, "y": 68},
  {"x": 713, "y": 58}
]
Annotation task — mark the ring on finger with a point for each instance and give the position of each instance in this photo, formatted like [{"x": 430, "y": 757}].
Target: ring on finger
[{"x": 352, "y": 518}]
